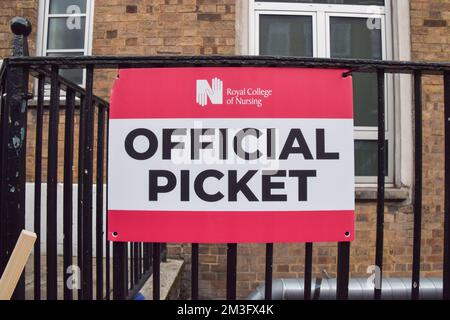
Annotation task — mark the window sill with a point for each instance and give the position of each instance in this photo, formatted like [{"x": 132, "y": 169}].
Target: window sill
[{"x": 390, "y": 194}]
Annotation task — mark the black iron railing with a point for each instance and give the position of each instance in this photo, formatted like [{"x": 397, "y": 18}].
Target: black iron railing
[
  {"x": 14, "y": 84},
  {"x": 82, "y": 113}
]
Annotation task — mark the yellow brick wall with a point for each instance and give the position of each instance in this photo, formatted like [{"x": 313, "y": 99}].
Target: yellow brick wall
[
  {"x": 10, "y": 9},
  {"x": 161, "y": 27},
  {"x": 152, "y": 27}
]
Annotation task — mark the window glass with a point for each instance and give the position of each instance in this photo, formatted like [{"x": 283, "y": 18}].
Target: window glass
[
  {"x": 74, "y": 75},
  {"x": 353, "y": 38},
  {"x": 65, "y": 23},
  {"x": 283, "y": 35},
  {"x": 366, "y": 158},
  {"x": 67, "y": 6},
  {"x": 62, "y": 34}
]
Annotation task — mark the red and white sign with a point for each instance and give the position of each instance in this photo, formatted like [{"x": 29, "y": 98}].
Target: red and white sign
[{"x": 231, "y": 155}]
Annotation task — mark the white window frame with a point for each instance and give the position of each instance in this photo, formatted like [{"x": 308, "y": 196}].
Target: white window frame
[
  {"x": 321, "y": 38},
  {"x": 311, "y": 14},
  {"x": 42, "y": 33}
]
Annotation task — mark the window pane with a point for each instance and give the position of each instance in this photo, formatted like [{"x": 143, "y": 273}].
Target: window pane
[
  {"x": 63, "y": 33},
  {"x": 282, "y": 35},
  {"x": 74, "y": 75},
  {"x": 359, "y": 2},
  {"x": 67, "y": 6},
  {"x": 365, "y": 99},
  {"x": 355, "y": 38},
  {"x": 366, "y": 158},
  {"x": 352, "y": 38}
]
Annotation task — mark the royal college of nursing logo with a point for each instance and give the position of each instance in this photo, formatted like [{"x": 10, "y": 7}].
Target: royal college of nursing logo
[{"x": 214, "y": 92}]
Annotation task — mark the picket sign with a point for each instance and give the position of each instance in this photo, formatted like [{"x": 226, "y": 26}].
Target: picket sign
[{"x": 231, "y": 155}]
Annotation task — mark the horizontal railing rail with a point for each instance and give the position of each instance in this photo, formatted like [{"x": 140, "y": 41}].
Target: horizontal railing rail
[
  {"x": 116, "y": 62},
  {"x": 66, "y": 84}
]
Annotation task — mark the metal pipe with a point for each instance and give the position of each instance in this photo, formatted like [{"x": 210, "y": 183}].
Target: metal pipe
[{"x": 358, "y": 289}]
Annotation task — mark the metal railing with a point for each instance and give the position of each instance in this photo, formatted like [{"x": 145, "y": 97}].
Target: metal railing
[
  {"x": 85, "y": 118},
  {"x": 17, "y": 69}
]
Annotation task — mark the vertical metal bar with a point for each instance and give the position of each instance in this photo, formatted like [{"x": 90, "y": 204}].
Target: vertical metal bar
[
  {"x": 3, "y": 165},
  {"x": 52, "y": 180},
  {"x": 150, "y": 255},
  {"x": 38, "y": 185},
  {"x": 108, "y": 246},
  {"x": 381, "y": 179},
  {"x": 131, "y": 265},
  {"x": 119, "y": 270},
  {"x": 194, "y": 271},
  {"x": 16, "y": 137},
  {"x": 143, "y": 258},
  {"x": 139, "y": 267},
  {"x": 156, "y": 270},
  {"x": 269, "y": 271},
  {"x": 2, "y": 104},
  {"x": 446, "y": 280},
  {"x": 14, "y": 164},
  {"x": 343, "y": 271},
  {"x": 231, "y": 271},
  {"x": 417, "y": 185},
  {"x": 68, "y": 190},
  {"x": 107, "y": 270},
  {"x": 136, "y": 262},
  {"x": 126, "y": 270},
  {"x": 308, "y": 270},
  {"x": 81, "y": 140},
  {"x": 87, "y": 187},
  {"x": 99, "y": 199},
  {"x": 140, "y": 260},
  {"x": 146, "y": 257}
]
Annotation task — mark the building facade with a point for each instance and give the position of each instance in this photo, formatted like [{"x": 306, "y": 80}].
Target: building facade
[{"x": 367, "y": 29}]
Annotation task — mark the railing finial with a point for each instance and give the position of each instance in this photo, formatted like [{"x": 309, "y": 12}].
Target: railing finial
[{"x": 21, "y": 27}]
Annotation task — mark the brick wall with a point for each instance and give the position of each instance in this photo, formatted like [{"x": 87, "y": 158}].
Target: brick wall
[
  {"x": 166, "y": 27},
  {"x": 144, "y": 27},
  {"x": 430, "y": 33},
  {"x": 10, "y": 9},
  {"x": 151, "y": 27}
]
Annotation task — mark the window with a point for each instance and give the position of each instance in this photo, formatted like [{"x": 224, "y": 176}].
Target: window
[
  {"x": 336, "y": 29},
  {"x": 65, "y": 30}
]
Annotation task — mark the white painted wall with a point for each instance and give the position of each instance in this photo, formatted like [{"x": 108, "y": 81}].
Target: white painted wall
[{"x": 29, "y": 215}]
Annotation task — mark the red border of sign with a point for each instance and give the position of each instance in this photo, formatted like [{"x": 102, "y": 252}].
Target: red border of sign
[
  {"x": 242, "y": 227},
  {"x": 317, "y": 95}
]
